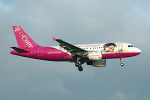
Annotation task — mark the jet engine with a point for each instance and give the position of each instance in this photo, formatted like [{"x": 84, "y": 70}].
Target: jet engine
[
  {"x": 97, "y": 63},
  {"x": 95, "y": 55}
]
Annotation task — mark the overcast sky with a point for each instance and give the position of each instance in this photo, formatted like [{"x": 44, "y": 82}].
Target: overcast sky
[{"x": 76, "y": 22}]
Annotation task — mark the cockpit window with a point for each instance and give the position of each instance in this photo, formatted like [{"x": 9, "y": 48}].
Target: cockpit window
[{"x": 130, "y": 46}]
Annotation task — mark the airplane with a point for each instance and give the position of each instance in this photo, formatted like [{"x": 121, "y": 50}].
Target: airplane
[{"x": 92, "y": 54}]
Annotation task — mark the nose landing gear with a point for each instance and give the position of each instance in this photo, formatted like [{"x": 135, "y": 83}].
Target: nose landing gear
[{"x": 122, "y": 64}]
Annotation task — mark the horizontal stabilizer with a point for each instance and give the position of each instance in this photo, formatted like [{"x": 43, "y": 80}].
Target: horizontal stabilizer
[{"x": 19, "y": 50}]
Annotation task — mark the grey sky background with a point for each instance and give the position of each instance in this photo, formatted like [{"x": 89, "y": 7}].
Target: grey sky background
[{"x": 77, "y": 22}]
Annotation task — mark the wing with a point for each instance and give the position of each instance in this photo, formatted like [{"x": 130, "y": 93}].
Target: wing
[{"x": 74, "y": 50}]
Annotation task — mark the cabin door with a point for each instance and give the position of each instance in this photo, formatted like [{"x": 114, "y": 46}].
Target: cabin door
[{"x": 40, "y": 51}]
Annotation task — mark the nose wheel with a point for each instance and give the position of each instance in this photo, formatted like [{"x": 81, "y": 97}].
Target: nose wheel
[{"x": 121, "y": 64}]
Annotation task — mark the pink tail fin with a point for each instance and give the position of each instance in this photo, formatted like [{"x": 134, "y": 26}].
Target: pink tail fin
[{"x": 23, "y": 39}]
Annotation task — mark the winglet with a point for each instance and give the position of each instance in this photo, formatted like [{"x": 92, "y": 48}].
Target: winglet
[{"x": 54, "y": 39}]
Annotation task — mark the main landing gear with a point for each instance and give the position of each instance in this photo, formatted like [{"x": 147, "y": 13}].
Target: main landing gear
[
  {"x": 79, "y": 65},
  {"x": 122, "y": 64}
]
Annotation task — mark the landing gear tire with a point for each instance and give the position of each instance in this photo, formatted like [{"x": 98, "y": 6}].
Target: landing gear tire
[
  {"x": 80, "y": 68},
  {"x": 77, "y": 64},
  {"x": 122, "y": 64}
]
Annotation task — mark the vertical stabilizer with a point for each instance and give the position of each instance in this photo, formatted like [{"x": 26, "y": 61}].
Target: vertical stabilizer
[{"x": 23, "y": 39}]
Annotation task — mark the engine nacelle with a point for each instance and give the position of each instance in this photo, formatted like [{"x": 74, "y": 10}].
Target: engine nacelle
[
  {"x": 95, "y": 55},
  {"x": 97, "y": 63}
]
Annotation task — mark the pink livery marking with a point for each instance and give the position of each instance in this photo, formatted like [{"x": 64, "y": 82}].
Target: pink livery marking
[
  {"x": 23, "y": 40},
  {"x": 118, "y": 55},
  {"x": 92, "y": 54}
]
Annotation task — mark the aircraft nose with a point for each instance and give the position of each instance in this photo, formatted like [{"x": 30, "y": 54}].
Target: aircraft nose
[{"x": 138, "y": 50}]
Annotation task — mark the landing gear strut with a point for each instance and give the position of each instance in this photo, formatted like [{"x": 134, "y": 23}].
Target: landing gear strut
[
  {"x": 122, "y": 64},
  {"x": 79, "y": 64}
]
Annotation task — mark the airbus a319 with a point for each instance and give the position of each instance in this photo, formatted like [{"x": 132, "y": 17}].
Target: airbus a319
[{"x": 91, "y": 54}]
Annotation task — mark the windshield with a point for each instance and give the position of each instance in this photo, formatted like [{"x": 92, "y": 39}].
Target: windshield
[{"x": 131, "y": 46}]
